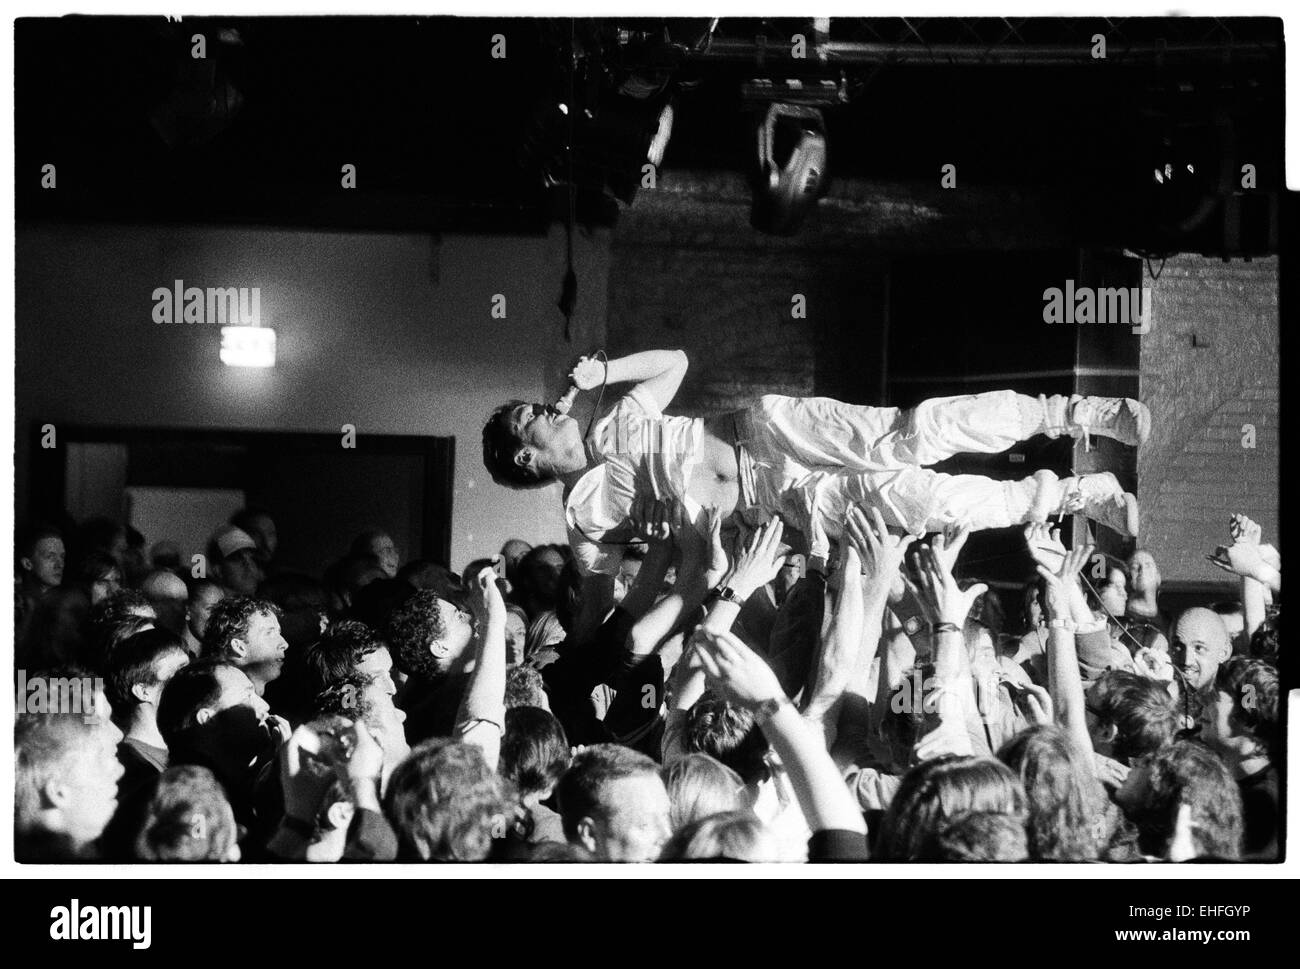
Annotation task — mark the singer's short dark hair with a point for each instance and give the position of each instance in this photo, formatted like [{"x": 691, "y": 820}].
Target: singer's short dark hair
[{"x": 501, "y": 442}]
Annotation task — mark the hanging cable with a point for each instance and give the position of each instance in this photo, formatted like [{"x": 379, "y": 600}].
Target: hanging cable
[{"x": 569, "y": 291}]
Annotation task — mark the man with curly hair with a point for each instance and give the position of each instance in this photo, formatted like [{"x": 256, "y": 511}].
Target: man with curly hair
[
  {"x": 345, "y": 648},
  {"x": 245, "y": 632},
  {"x": 455, "y": 661},
  {"x": 430, "y": 636}
]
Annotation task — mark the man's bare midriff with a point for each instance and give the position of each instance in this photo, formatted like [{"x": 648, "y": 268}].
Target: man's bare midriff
[{"x": 714, "y": 481}]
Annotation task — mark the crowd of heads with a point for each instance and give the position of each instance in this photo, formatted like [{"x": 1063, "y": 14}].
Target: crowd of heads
[{"x": 259, "y": 714}]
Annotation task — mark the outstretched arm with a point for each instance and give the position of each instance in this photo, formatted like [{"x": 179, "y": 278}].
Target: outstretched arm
[
  {"x": 481, "y": 718},
  {"x": 745, "y": 679},
  {"x": 656, "y": 373},
  {"x": 1063, "y": 678},
  {"x": 657, "y": 624},
  {"x": 869, "y": 562},
  {"x": 1253, "y": 591},
  {"x": 952, "y": 700}
]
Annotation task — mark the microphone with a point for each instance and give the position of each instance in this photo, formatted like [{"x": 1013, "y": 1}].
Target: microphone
[{"x": 565, "y": 403}]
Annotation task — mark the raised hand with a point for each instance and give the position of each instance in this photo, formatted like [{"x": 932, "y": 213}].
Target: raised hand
[
  {"x": 588, "y": 373},
  {"x": 485, "y": 598},
  {"x": 653, "y": 519},
  {"x": 1060, "y": 583},
  {"x": 717, "y": 561},
  {"x": 1241, "y": 558},
  {"x": 948, "y": 544},
  {"x": 759, "y": 563},
  {"x": 735, "y": 671},
  {"x": 937, "y": 593},
  {"x": 1244, "y": 530},
  {"x": 1044, "y": 544},
  {"x": 1035, "y": 703},
  {"x": 880, "y": 553}
]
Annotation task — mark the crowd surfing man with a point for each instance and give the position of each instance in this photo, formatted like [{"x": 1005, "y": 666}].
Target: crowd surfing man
[{"x": 805, "y": 460}]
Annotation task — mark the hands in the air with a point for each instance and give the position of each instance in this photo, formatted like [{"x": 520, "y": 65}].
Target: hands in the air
[
  {"x": 1059, "y": 568},
  {"x": 1246, "y": 556},
  {"x": 485, "y": 599},
  {"x": 937, "y": 593},
  {"x": 869, "y": 546},
  {"x": 734, "y": 670},
  {"x": 759, "y": 563},
  {"x": 653, "y": 519}
]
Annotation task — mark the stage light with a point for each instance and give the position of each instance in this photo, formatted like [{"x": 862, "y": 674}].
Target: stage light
[
  {"x": 659, "y": 143},
  {"x": 248, "y": 346},
  {"x": 791, "y": 172}
]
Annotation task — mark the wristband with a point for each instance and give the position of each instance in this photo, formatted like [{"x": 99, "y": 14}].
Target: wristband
[
  {"x": 945, "y": 627},
  {"x": 1068, "y": 625}
]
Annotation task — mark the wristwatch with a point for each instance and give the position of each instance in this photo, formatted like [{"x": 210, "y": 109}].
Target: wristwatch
[
  {"x": 768, "y": 709},
  {"x": 723, "y": 593},
  {"x": 1068, "y": 625}
]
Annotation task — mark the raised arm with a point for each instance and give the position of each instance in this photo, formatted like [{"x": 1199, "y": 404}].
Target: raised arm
[
  {"x": 651, "y": 521},
  {"x": 756, "y": 566},
  {"x": 687, "y": 593},
  {"x": 869, "y": 562},
  {"x": 746, "y": 680},
  {"x": 1254, "y": 593},
  {"x": 657, "y": 373},
  {"x": 952, "y": 701},
  {"x": 1247, "y": 558},
  {"x": 1064, "y": 681},
  {"x": 481, "y": 718},
  {"x": 1253, "y": 607}
]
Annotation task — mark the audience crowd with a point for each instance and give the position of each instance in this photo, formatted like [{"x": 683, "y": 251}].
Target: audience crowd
[{"x": 721, "y": 698}]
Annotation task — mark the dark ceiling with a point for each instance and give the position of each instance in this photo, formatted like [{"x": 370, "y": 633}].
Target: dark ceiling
[{"x": 445, "y": 136}]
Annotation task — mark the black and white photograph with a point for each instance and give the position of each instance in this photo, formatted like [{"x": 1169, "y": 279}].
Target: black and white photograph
[{"x": 627, "y": 441}]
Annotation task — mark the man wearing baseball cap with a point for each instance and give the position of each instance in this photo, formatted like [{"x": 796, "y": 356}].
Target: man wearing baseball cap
[{"x": 232, "y": 557}]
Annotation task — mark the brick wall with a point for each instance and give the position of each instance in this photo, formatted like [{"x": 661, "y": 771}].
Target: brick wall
[
  {"x": 730, "y": 311},
  {"x": 688, "y": 270},
  {"x": 1194, "y": 471}
]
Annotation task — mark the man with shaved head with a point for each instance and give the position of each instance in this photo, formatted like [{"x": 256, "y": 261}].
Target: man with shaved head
[{"x": 1200, "y": 646}]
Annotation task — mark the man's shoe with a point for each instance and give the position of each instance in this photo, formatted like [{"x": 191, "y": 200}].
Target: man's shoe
[
  {"x": 1100, "y": 497},
  {"x": 1121, "y": 418}
]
